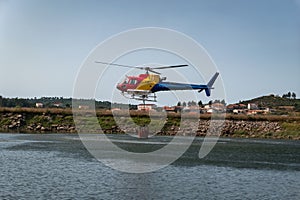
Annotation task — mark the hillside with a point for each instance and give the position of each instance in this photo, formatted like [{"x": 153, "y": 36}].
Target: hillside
[{"x": 274, "y": 102}]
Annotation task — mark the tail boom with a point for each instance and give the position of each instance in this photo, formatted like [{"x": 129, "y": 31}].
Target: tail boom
[
  {"x": 166, "y": 86},
  {"x": 210, "y": 84}
]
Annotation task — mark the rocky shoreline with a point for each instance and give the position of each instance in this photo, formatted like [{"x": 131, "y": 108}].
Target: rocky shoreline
[{"x": 63, "y": 123}]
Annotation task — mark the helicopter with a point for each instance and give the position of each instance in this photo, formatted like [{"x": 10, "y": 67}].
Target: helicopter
[{"x": 144, "y": 86}]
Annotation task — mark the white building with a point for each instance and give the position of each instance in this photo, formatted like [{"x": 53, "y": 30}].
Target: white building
[
  {"x": 252, "y": 106},
  {"x": 39, "y": 105},
  {"x": 83, "y": 107},
  {"x": 146, "y": 107}
]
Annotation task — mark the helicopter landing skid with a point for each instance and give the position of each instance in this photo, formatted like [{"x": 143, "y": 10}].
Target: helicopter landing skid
[{"x": 141, "y": 97}]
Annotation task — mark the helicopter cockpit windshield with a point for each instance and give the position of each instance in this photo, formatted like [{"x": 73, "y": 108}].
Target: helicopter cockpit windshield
[
  {"x": 130, "y": 81},
  {"x": 133, "y": 82},
  {"x": 126, "y": 81}
]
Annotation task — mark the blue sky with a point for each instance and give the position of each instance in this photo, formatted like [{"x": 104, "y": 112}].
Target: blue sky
[{"x": 255, "y": 44}]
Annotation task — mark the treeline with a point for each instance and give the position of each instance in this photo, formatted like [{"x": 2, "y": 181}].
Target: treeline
[
  {"x": 31, "y": 102},
  {"x": 200, "y": 103},
  {"x": 54, "y": 102},
  {"x": 289, "y": 95},
  {"x": 270, "y": 101}
]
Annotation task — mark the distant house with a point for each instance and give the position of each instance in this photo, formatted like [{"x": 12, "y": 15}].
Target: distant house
[
  {"x": 57, "y": 105},
  {"x": 214, "y": 108},
  {"x": 218, "y": 107},
  {"x": 191, "y": 109},
  {"x": 173, "y": 108},
  {"x": 83, "y": 107},
  {"x": 115, "y": 109},
  {"x": 207, "y": 106},
  {"x": 238, "y": 111},
  {"x": 252, "y": 106},
  {"x": 146, "y": 107},
  {"x": 170, "y": 109},
  {"x": 258, "y": 111},
  {"x": 242, "y": 106},
  {"x": 39, "y": 105},
  {"x": 232, "y": 107},
  {"x": 209, "y": 110}
]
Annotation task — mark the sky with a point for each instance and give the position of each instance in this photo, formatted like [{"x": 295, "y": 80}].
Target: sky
[{"x": 254, "y": 44}]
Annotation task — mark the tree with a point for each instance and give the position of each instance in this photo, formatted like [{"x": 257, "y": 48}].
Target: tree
[
  {"x": 289, "y": 94},
  {"x": 200, "y": 104},
  {"x": 294, "y": 95},
  {"x": 179, "y": 103},
  {"x": 223, "y": 102},
  {"x": 191, "y": 103},
  {"x": 217, "y": 101},
  {"x": 184, "y": 104}
]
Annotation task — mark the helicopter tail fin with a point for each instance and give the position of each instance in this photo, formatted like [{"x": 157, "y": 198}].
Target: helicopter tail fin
[{"x": 210, "y": 84}]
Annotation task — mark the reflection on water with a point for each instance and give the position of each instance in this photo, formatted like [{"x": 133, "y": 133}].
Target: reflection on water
[{"x": 58, "y": 166}]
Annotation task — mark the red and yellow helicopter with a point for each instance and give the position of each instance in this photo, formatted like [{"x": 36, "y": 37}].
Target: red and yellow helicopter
[{"x": 144, "y": 86}]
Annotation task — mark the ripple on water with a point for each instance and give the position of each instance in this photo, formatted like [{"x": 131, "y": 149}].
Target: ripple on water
[{"x": 61, "y": 169}]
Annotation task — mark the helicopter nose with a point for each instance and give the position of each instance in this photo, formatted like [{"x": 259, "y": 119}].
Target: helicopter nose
[{"x": 119, "y": 86}]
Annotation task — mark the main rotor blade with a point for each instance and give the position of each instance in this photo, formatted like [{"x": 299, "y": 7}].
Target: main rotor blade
[
  {"x": 150, "y": 70},
  {"x": 105, "y": 63},
  {"x": 142, "y": 68},
  {"x": 167, "y": 67}
]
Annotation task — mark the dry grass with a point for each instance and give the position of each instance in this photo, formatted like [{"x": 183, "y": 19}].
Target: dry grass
[
  {"x": 136, "y": 113},
  {"x": 273, "y": 118},
  {"x": 64, "y": 111}
]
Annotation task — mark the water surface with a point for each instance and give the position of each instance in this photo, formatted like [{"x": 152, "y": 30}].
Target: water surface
[{"x": 57, "y": 166}]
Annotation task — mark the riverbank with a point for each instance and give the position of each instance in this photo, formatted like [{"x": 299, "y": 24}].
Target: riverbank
[{"x": 31, "y": 120}]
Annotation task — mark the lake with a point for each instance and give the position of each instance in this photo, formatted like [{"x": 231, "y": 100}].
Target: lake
[{"x": 58, "y": 166}]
